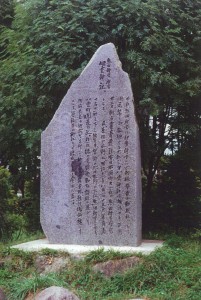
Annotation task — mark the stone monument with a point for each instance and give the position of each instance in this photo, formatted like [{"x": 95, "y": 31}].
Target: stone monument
[{"x": 90, "y": 160}]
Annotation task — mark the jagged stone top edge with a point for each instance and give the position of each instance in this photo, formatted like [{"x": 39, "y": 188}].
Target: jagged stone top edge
[
  {"x": 74, "y": 83},
  {"x": 101, "y": 49}
]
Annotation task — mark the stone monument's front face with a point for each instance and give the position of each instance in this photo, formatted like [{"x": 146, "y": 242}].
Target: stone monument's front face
[{"x": 90, "y": 160}]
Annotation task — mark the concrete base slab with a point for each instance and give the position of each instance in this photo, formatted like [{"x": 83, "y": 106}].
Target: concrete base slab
[{"x": 146, "y": 247}]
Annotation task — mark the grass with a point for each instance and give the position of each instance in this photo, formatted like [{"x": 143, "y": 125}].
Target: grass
[
  {"x": 100, "y": 255},
  {"x": 20, "y": 237},
  {"x": 171, "y": 272}
]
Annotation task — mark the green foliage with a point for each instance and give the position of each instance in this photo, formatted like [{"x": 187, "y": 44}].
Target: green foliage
[
  {"x": 49, "y": 43},
  {"x": 9, "y": 219},
  {"x": 22, "y": 287},
  {"x": 177, "y": 195},
  {"x": 48, "y": 251},
  {"x": 5, "y": 187},
  {"x": 171, "y": 272},
  {"x": 101, "y": 255},
  {"x": 17, "y": 214},
  {"x": 18, "y": 236},
  {"x": 30, "y": 205},
  {"x": 6, "y": 12}
]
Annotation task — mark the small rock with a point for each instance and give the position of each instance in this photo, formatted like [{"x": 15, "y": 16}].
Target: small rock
[
  {"x": 5, "y": 260},
  {"x": 78, "y": 257},
  {"x": 47, "y": 264},
  {"x": 2, "y": 263},
  {"x": 110, "y": 267},
  {"x": 56, "y": 293},
  {"x": 2, "y": 295}
]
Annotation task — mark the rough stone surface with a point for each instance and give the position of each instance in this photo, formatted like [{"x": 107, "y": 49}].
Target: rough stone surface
[
  {"x": 56, "y": 293},
  {"x": 78, "y": 257},
  {"x": 111, "y": 267},
  {"x": 47, "y": 264},
  {"x": 90, "y": 160},
  {"x": 2, "y": 295}
]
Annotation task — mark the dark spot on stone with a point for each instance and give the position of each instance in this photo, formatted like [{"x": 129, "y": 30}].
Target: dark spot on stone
[
  {"x": 66, "y": 205},
  {"x": 58, "y": 226},
  {"x": 100, "y": 242},
  {"x": 77, "y": 167}
]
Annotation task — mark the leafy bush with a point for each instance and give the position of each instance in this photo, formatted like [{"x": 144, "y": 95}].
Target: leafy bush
[
  {"x": 49, "y": 43},
  {"x": 176, "y": 196},
  {"x": 30, "y": 205},
  {"x": 10, "y": 220}
]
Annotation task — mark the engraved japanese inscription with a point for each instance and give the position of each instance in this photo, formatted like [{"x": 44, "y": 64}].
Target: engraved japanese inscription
[{"x": 90, "y": 160}]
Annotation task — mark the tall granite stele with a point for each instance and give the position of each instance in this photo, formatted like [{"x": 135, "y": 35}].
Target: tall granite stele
[{"x": 90, "y": 160}]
